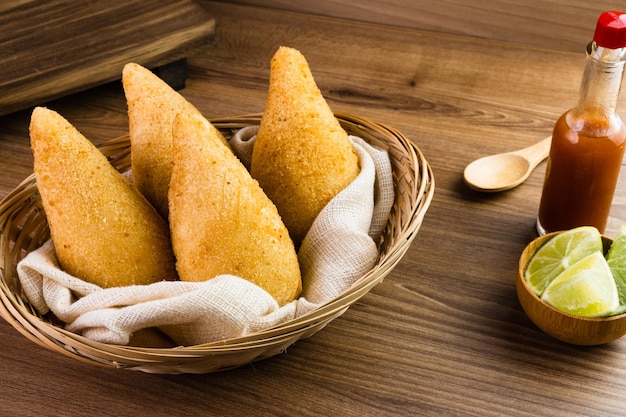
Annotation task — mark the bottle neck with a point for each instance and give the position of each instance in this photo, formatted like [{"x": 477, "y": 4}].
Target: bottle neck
[{"x": 594, "y": 114}]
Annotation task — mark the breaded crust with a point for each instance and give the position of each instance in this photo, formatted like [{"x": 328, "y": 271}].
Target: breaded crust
[
  {"x": 152, "y": 106},
  {"x": 221, "y": 222},
  {"x": 104, "y": 231},
  {"x": 302, "y": 156}
]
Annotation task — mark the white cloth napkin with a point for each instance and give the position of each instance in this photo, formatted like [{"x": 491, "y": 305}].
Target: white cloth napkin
[{"x": 339, "y": 248}]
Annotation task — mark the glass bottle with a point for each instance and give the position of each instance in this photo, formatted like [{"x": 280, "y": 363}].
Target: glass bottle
[{"x": 588, "y": 140}]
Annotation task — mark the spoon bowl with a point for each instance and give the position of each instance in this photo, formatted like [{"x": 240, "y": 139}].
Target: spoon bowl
[{"x": 506, "y": 170}]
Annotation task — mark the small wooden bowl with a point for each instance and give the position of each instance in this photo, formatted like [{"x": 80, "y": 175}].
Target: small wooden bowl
[{"x": 563, "y": 326}]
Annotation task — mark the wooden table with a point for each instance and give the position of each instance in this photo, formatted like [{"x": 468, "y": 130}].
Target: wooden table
[{"x": 444, "y": 333}]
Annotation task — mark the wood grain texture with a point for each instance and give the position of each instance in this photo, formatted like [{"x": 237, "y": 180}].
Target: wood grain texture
[
  {"x": 444, "y": 334},
  {"x": 553, "y": 24},
  {"x": 52, "y": 48}
]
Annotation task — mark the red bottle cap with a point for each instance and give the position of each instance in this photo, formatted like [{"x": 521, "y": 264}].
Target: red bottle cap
[{"x": 611, "y": 30}]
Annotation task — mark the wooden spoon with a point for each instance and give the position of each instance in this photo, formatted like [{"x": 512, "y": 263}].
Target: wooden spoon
[{"x": 505, "y": 170}]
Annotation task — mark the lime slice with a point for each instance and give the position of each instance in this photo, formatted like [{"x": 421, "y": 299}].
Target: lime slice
[
  {"x": 585, "y": 289},
  {"x": 617, "y": 262},
  {"x": 559, "y": 253}
]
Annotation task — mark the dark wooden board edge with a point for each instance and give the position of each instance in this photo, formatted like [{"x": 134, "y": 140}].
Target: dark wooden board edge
[{"x": 103, "y": 68}]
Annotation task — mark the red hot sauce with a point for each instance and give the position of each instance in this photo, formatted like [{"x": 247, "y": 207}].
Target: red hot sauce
[{"x": 588, "y": 140}]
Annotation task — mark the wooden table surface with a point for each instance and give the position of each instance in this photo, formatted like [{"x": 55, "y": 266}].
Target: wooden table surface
[{"x": 444, "y": 333}]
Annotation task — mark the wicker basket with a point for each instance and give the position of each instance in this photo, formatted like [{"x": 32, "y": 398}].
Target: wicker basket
[{"x": 23, "y": 228}]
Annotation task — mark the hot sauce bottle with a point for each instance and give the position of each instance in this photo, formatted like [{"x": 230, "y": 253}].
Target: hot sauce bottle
[{"x": 588, "y": 140}]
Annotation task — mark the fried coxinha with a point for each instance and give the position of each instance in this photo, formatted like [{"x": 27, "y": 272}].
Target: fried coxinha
[
  {"x": 302, "y": 156},
  {"x": 152, "y": 106},
  {"x": 107, "y": 233},
  {"x": 104, "y": 230},
  {"x": 221, "y": 220}
]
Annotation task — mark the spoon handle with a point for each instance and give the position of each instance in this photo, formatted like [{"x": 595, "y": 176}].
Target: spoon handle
[{"x": 537, "y": 152}]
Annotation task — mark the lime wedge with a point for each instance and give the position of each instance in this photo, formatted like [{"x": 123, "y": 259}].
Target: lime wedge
[
  {"x": 585, "y": 289},
  {"x": 617, "y": 262},
  {"x": 559, "y": 253}
]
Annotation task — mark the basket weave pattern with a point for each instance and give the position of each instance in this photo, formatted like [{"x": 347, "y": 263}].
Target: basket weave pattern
[{"x": 23, "y": 228}]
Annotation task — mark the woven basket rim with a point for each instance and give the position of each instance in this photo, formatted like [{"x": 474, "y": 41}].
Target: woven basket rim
[{"x": 417, "y": 192}]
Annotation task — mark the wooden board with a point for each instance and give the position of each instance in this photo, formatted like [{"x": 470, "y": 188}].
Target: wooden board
[{"x": 53, "y": 48}]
